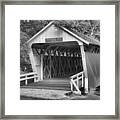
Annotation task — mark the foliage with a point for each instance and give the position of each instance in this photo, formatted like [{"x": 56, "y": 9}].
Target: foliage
[
  {"x": 31, "y": 27},
  {"x": 86, "y": 27},
  {"x": 24, "y": 58}
]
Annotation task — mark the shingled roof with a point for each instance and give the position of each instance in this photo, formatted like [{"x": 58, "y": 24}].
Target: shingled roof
[
  {"x": 88, "y": 39},
  {"x": 85, "y": 39}
]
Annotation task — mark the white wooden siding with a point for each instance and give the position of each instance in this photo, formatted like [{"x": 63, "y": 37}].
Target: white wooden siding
[{"x": 53, "y": 32}]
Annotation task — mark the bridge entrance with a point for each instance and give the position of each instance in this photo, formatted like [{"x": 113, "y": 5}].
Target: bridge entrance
[{"x": 58, "y": 60}]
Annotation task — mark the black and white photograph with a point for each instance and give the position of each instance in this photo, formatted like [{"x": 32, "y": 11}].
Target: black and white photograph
[
  {"x": 59, "y": 59},
  {"x": 60, "y": 55}
]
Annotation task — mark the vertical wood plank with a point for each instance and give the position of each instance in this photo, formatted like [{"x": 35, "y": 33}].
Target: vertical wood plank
[
  {"x": 35, "y": 79},
  {"x": 77, "y": 81},
  {"x": 50, "y": 66},
  {"x": 30, "y": 52},
  {"x": 82, "y": 81},
  {"x": 71, "y": 86},
  {"x": 84, "y": 67},
  {"x": 26, "y": 82},
  {"x": 41, "y": 67}
]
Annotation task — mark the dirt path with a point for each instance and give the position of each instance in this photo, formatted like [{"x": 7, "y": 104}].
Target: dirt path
[{"x": 45, "y": 94}]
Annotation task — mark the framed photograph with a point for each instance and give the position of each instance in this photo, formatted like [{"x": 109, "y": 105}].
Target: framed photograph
[{"x": 59, "y": 60}]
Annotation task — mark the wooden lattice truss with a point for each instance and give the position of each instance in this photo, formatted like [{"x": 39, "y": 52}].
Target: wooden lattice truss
[{"x": 60, "y": 60}]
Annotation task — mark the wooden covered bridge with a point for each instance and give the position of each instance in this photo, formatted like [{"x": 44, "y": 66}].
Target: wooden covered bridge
[{"x": 57, "y": 54}]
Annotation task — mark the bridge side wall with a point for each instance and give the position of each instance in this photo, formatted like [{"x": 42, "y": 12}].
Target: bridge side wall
[{"x": 93, "y": 69}]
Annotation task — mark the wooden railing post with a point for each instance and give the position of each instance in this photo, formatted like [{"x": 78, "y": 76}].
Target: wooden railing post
[
  {"x": 25, "y": 77},
  {"x": 35, "y": 79},
  {"x": 71, "y": 86},
  {"x": 26, "y": 82},
  {"x": 75, "y": 82},
  {"x": 82, "y": 81}
]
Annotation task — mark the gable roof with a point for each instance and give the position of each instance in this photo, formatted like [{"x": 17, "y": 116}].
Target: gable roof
[
  {"x": 82, "y": 37},
  {"x": 85, "y": 39}
]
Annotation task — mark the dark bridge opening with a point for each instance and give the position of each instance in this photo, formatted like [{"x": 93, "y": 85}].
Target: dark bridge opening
[{"x": 60, "y": 60}]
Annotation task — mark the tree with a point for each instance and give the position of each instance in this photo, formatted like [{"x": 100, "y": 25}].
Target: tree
[
  {"x": 86, "y": 27},
  {"x": 31, "y": 27},
  {"x": 24, "y": 58}
]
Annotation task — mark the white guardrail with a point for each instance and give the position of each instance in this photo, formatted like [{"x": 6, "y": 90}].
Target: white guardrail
[
  {"x": 75, "y": 81},
  {"x": 28, "y": 76}
]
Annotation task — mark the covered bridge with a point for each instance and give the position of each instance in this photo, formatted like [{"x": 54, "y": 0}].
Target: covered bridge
[{"x": 56, "y": 52}]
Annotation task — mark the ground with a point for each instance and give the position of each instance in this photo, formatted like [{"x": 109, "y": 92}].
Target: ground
[{"x": 46, "y": 94}]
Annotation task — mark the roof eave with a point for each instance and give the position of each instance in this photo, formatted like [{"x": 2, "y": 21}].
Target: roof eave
[{"x": 76, "y": 36}]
